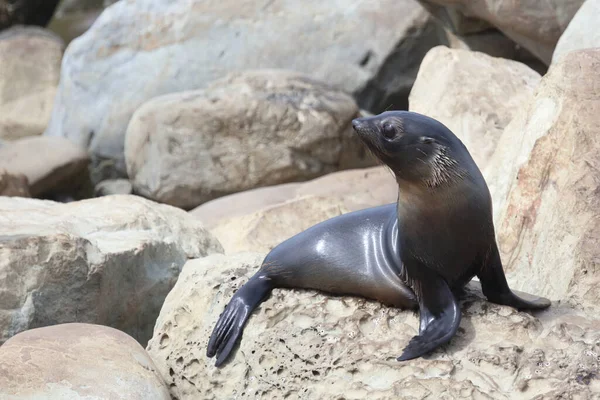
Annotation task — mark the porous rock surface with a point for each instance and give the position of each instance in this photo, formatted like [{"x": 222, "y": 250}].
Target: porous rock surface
[
  {"x": 250, "y": 129},
  {"x": 30, "y": 61},
  {"x": 307, "y": 345},
  {"x": 534, "y": 24},
  {"x": 50, "y": 163},
  {"x": 78, "y": 362},
  {"x": 183, "y": 45},
  {"x": 473, "y": 94},
  {"x": 547, "y": 184},
  {"x": 582, "y": 32},
  {"x": 354, "y": 189},
  {"x": 110, "y": 260}
]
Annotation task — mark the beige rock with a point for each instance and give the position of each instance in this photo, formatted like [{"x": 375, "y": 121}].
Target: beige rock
[
  {"x": 473, "y": 94},
  {"x": 582, "y": 32},
  {"x": 307, "y": 345},
  {"x": 109, "y": 260},
  {"x": 13, "y": 185},
  {"x": 30, "y": 61},
  {"x": 547, "y": 208},
  {"x": 250, "y": 129},
  {"x": 355, "y": 189},
  {"x": 77, "y": 361},
  {"x": 534, "y": 24},
  {"x": 49, "y": 163}
]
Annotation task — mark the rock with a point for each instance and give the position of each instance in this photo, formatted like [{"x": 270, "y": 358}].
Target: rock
[
  {"x": 51, "y": 164},
  {"x": 13, "y": 185},
  {"x": 264, "y": 229},
  {"x": 546, "y": 185},
  {"x": 355, "y": 189},
  {"x": 534, "y": 24},
  {"x": 26, "y": 12},
  {"x": 582, "y": 32},
  {"x": 250, "y": 129},
  {"x": 304, "y": 344},
  {"x": 109, "y": 260},
  {"x": 77, "y": 361},
  {"x": 114, "y": 186},
  {"x": 474, "y": 94},
  {"x": 185, "y": 45},
  {"x": 30, "y": 63}
]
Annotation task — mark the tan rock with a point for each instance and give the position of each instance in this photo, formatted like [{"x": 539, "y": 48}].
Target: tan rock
[
  {"x": 250, "y": 129},
  {"x": 49, "y": 163},
  {"x": 355, "y": 189},
  {"x": 582, "y": 32},
  {"x": 545, "y": 190},
  {"x": 109, "y": 260},
  {"x": 77, "y": 361},
  {"x": 473, "y": 94},
  {"x": 30, "y": 61},
  {"x": 304, "y": 344},
  {"x": 534, "y": 24},
  {"x": 13, "y": 185}
]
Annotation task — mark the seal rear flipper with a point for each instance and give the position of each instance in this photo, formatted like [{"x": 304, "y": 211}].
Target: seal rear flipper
[
  {"x": 495, "y": 287},
  {"x": 439, "y": 316},
  {"x": 229, "y": 327}
]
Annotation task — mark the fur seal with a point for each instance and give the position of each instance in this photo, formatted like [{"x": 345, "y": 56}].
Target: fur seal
[{"x": 417, "y": 253}]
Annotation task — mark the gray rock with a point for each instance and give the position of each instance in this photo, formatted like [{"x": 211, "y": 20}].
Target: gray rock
[
  {"x": 138, "y": 50},
  {"x": 113, "y": 186},
  {"x": 534, "y": 24},
  {"x": 583, "y": 31},
  {"x": 77, "y": 362},
  {"x": 250, "y": 129},
  {"x": 30, "y": 68},
  {"x": 109, "y": 260}
]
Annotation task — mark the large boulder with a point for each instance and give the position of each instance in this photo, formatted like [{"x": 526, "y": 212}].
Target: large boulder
[
  {"x": 137, "y": 50},
  {"x": 250, "y": 129},
  {"x": 354, "y": 189},
  {"x": 110, "y": 261},
  {"x": 547, "y": 181},
  {"x": 534, "y": 24},
  {"x": 473, "y": 94},
  {"x": 77, "y": 362},
  {"x": 51, "y": 164},
  {"x": 305, "y": 344},
  {"x": 30, "y": 68},
  {"x": 582, "y": 32}
]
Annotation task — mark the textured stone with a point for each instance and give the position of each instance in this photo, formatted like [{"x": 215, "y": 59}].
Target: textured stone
[
  {"x": 13, "y": 185},
  {"x": 113, "y": 186},
  {"x": 473, "y": 94},
  {"x": 250, "y": 129},
  {"x": 77, "y": 362},
  {"x": 546, "y": 185},
  {"x": 110, "y": 260},
  {"x": 353, "y": 189},
  {"x": 138, "y": 50},
  {"x": 582, "y": 32},
  {"x": 308, "y": 345},
  {"x": 534, "y": 24},
  {"x": 29, "y": 71}
]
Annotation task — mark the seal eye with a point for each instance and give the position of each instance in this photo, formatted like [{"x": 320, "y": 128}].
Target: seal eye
[
  {"x": 426, "y": 140},
  {"x": 388, "y": 131}
]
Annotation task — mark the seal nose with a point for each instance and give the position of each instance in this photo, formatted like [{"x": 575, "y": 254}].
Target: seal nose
[{"x": 357, "y": 124}]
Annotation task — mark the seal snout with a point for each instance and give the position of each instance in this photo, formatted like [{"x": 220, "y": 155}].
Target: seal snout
[{"x": 358, "y": 124}]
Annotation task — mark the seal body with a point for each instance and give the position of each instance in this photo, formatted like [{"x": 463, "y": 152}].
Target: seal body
[{"x": 416, "y": 253}]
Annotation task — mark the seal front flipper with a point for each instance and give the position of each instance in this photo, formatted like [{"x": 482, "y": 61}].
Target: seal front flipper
[
  {"x": 229, "y": 327},
  {"x": 439, "y": 316},
  {"x": 495, "y": 287}
]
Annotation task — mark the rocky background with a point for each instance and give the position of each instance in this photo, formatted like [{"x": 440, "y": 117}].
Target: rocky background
[{"x": 152, "y": 152}]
